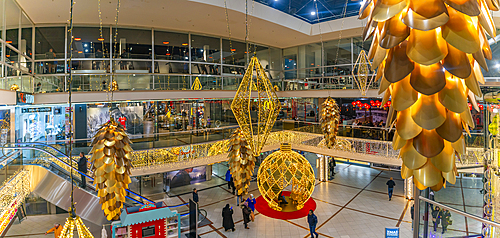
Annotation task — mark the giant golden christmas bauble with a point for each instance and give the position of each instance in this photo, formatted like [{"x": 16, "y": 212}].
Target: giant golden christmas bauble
[{"x": 285, "y": 168}]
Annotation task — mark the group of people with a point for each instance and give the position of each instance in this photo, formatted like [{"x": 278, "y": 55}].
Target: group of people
[
  {"x": 247, "y": 209},
  {"x": 443, "y": 216}
]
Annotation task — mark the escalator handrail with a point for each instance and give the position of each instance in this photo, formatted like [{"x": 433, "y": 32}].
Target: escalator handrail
[{"x": 23, "y": 145}]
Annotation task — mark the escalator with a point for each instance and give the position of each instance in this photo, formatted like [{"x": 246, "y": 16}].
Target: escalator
[{"x": 50, "y": 179}]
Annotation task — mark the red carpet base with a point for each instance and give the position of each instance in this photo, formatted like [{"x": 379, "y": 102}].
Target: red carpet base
[{"x": 264, "y": 209}]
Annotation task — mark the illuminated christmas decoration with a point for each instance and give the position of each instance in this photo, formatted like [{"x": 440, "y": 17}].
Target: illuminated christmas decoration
[
  {"x": 361, "y": 73},
  {"x": 241, "y": 162},
  {"x": 196, "y": 84},
  {"x": 14, "y": 87},
  {"x": 266, "y": 106},
  {"x": 69, "y": 228},
  {"x": 429, "y": 55},
  {"x": 330, "y": 119},
  {"x": 111, "y": 167},
  {"x": 282, "y": 169}
]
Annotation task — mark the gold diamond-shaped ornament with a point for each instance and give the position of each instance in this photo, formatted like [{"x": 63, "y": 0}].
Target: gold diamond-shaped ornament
[
  {"x": 196, "y": 84},
  {"x": 361, "y": 73},
  {"x": 255, "y": 111}
]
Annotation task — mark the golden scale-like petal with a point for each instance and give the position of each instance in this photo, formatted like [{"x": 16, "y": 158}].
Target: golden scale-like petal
[
  {"x": 111, "y": 167},
  {"x": 429, "y": 56},
  {"x": 241, "y": 161}
]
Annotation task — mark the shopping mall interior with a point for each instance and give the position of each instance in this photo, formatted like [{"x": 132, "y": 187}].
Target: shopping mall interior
[{"x": 249, "y": 118}]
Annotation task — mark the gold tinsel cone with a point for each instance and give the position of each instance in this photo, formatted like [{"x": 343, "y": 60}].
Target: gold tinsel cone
[
  {"x": 432, "y": 53},
  {"x": 241, "y": 162},
  {"x": 330, "y": 118},
  {"x": 111, "y": 166}
]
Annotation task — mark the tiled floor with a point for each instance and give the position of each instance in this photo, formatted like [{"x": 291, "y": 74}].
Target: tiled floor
[{"x": 354, "y": 204}]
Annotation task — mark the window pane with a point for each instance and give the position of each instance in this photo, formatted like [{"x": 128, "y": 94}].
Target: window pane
[
  {"x": 336, "y": 53},
  {"x": 26, "y": 36},
  {"x": 49, "y": 41},
  {"x": 275, "y": 59},
  {"x": 358, "y": 44},
  {"x": 131, "y": 43},
  {"x": 234, "y": 52},
  {"x": 205, "y": 49},
  {"x": 88, "y": 42},
  {"x": 12, "y": 12},
  {"x": 171, "y": 46}
]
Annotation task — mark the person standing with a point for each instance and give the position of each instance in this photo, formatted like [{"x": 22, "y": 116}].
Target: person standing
[
  {"x": 431, "y": 197},
  {"x": 313, "y": 221},
  {"x": 436, "y": 218},
  {"x": 412, "y": 214},
  {"x": 228, "y": 179},
  {"x": 390, "y": 187},
  {"x": 332, "y": 165},
  {"x": 246, "y": 214},
  {"x": 231, "y": 183},
  {"x": 56, "y": 229},
  {"x": 239, "y": 198},
  {"x": 82, "y": 167},
  {"x": 227, "y": 218},
  {"x": 251, "y": 202},
  {"x": 195, "y": 195},
  {"x": 445, "y": 219}
]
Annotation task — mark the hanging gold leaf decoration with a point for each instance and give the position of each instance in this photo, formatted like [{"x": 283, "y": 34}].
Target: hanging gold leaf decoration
[
  {"x": 69, "y": 228},
  {"x": 330, "y": 119},
  {"x": 241, "y": 162},
  {"x": 434, "y": 53},
  {"x": 111, "y": 167},
  {"x": 264, "y": 107},
  {"x": 361, "y": 73}
]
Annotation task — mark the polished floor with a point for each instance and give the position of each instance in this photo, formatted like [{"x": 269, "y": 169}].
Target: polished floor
[{"x": 353, "y": 204}]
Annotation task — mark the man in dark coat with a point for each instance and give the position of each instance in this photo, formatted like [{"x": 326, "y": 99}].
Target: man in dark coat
[
  {"x": 246, "y": 214},
  {"x": 227, "y": 218},
  {"x": 313, "y": 221},
  {"x": 436, "y": 217},
  {"x": 82, "y": 167},
  {"x": 332, "y": 165},
  {"x": 195, "y": 195},
  {"x": 390, "y": 187},
  {"x": 445, "y": 219}
]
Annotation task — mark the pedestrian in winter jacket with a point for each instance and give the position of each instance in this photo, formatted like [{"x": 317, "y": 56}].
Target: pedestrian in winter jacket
[{"x": 313, "y": 221}]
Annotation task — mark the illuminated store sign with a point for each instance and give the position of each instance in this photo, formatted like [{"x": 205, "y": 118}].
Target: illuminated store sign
[
  {"x": 36, "y": 109},
  {"x": 392, "y": 232},
  {"x": 25, "y": 98}
]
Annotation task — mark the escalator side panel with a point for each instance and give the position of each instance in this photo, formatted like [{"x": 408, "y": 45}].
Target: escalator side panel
[{"x": 57, "y": 191}]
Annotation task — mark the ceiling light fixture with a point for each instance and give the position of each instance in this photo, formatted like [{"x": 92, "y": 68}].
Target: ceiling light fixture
[
  {"x": 78, "y": 39},
  {"x": 166, "y": 42},
  {"x": 313, "y": 13}
]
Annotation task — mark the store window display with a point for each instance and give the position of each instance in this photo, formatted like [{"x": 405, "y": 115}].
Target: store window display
[{"x": 47, "y": 123}]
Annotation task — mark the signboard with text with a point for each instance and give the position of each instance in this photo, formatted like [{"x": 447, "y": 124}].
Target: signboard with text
[{"x": 392, "y": 232}]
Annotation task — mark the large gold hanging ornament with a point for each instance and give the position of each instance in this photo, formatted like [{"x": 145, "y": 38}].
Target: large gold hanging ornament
[
  {"x": 428, "y": 55},
  {"x": 281, "y": 169},
  {"x": 241, "y": 162},
  {"x": 361, "y": 73},
  {"x": 330, "y": 119},
  {"x": 266, "y": 104},
  {"x": 196, "y": 84},
  {"x": 111, "y": 166},
  {"x": 69, "y": 228}
]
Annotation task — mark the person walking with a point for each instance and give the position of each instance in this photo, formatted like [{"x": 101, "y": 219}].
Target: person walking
[
  {"x": 239, "y": 198},
  {"x": 412, "y": 214},
  {"x": 313, "y": 221},
  {"x": 390, "y": 187},
  {"x": 332, "y": 165},
  {"x": 82, "y": 167},
  {"x": 228, "y": 179},
  {"x": 227, "y": 218},
  {"x": 195, "y": 195},
  {"x": 445, "y": 219},
  {"x": 436, "y": 218},
  {"x": 251, "y": 202},
  {"x": 56, "y": 229},
  {"x": 246, "y": 214}
]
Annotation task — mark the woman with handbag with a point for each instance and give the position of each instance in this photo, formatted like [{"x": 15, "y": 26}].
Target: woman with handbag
[{"x": 436, "y": 217}]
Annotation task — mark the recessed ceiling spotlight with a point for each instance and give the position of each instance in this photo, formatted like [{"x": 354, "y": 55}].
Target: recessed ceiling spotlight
[{"x": 313, "y": 13}]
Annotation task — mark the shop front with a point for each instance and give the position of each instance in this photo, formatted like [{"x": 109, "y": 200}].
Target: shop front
[{"x": 49, "y": 124}]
